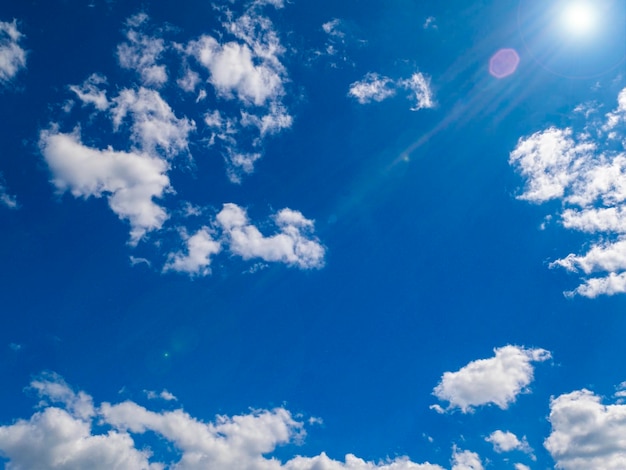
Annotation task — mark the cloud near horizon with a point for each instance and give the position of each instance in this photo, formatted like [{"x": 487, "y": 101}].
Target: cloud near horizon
[{"x": 69, "y": 431}]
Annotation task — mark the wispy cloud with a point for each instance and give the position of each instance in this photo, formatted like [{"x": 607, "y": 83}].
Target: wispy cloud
[
  {"x": 374, "y": 87},
  {"x": 12, "y": 55},
  {"x": 6, "y": 199}
]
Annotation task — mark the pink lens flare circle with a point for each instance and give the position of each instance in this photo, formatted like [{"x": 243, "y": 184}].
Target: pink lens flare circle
[{"x": 503, "y": 63}]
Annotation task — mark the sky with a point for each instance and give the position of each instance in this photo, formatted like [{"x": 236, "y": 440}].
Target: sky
[{"x": 284, "y": 234}]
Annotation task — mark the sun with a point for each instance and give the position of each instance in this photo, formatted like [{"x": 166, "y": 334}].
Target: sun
[{"x": 579, "y": 18}]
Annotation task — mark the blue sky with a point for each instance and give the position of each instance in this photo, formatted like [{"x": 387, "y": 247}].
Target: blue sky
[{"x": 313, "y": 235}]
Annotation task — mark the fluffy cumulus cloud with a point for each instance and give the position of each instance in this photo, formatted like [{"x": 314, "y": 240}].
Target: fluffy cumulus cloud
[
  {"x": 70, "y": 432},
  {"x": 587, "y": 433},
  {"x": 131, "y": 180},
  {"x": 123, "y": 141},
  {"x": 497, "y": 380},
  {"x": 375, "y": 87},
  {"x": 12, "y": 55},
  {"x": 585, "y": 170},
  {"x": 293, "y": 245},
  {"x": 466, "y": 460},
  {"x": 506, "y": 441}
]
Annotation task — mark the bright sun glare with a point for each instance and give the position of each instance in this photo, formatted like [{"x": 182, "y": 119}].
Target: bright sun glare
[{"x": 579, "y": 18}]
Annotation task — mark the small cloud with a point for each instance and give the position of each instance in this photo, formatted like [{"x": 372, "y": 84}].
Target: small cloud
[
  {"x": 15, "y": 347},
  {"x": 6, "y": 199},
  {"x": 497, "y": 380},
  {"x": 374, "y": 87},
  {"x": 163, "y": 395},
  {"x": 430, "y": 23}
]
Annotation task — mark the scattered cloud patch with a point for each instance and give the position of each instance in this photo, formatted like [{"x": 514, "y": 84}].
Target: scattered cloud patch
[
  {"x": 6, "y": 199},
  {"x": 163, "y": 395},
  {"x": 586, "y": 171},
  {"x": 374, "y": 87},
  {"x": 63, "y": 434},
  {"x": 125, "y": 139},
  {"x": 12, "y": 55},
  {"x": 497, "y": 380},
  {"x": 586, "y": 433}
]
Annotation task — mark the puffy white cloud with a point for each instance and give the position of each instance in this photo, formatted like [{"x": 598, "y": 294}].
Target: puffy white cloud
[
  {"x": 466, "y": 460},
  {"x": 131, "y": 179},
  {"x": 141, "y": 52},
  {"x": 586, "y": 171},
  {"x": 586, "y": 433},
  {"x": 497, "y": 380},
  {"x": 372, "y": 87},
  {"x": 200, "y": 247},
  {"x": 293, "y": 245},
  {"x": 60, "y": 438},
  {"x": 233, "y": 71},
  {"x": 12, "y": 55},
  {"x": 521, "y": 466},
  {"x": 506, "y": 441}
]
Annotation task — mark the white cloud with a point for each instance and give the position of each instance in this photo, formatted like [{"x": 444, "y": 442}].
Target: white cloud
[
  {"x": 131, "y": 179},
  {"x": 466, "y": 460},
  {"x": 7, "y": 199},
  {"x": 372, "y": 87},
  {"x": 586, "y": 433},
  {"x": 333, "y": 28},
  {"x": 12, "y": 55},
  {"x": 586, "y": 171},
  {"x": 141, "y": 53},
  {"x": 233, "y": 71},
  {"x": 61, "y": 438},
  {"x": 89, "y": 92},
  {"x": 419, "y": 84},
  {"x": 154, "y": 125},
  {"x": 163, "y": 395},
  {"x": 497, "y": 380},
  {"x": 506, "y": 441},
  {"x": 200, "y": 247},
  {"x": 521, "y": 466},
  {"x": 294, "y": 244}
]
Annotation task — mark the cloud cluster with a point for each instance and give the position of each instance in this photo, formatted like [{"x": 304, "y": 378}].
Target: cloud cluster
[
  {"x": 70, "y": 432},
  {"x": 12, "y": 55},
  {"x": 375, "y": 87},
  {"x": 586, "y": 171},
  {"x": 294, "y": 244},
  {"x": 497, "y": 380},
  {"x": 124, "y": 141}
]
